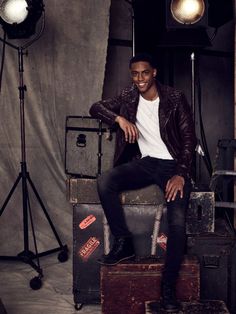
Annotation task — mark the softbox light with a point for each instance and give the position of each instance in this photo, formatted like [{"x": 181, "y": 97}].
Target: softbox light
[{"x": 19, "y": 17}]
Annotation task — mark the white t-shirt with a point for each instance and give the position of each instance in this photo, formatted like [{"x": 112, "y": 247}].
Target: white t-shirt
[{"x": 147, "y": 122}]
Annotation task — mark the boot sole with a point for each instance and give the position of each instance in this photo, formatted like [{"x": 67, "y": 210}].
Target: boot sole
[
  {"x": 174, "y": 310},
  {"x": 120, "y": 260}
]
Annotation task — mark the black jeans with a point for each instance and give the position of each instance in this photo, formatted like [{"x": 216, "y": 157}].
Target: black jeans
[{"x": 138, "y": 174}]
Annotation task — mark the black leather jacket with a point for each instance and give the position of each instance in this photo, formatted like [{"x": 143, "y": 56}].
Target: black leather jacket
[{"x": 175, "y": 118}]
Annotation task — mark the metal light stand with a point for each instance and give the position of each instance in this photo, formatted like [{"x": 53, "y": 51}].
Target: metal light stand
[
  {"x": 193, "y": 106},
  {"x": 131, "y": 2},
  {"x": 26, "y": 255},
  {"x": 133, "y": 30},
  {"x": 199, "y": 150}
]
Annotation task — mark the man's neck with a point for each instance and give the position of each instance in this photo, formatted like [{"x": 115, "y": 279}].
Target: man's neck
[{"x": 150, "y": 94}]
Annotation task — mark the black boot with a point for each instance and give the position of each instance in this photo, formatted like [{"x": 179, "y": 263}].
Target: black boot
[
  {"x": 169, "y": 302},
  {"x": 123, "y": 249}
]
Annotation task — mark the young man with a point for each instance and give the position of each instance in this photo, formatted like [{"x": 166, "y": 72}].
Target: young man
[{"x": 155, "y": 123}]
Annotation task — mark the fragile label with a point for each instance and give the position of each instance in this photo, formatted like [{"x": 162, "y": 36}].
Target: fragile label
[
  {"x": 87, "y": 222},
  {"x": 88, "y": 248}
]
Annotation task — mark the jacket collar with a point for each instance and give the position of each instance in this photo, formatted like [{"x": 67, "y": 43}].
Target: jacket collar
[{"x": 165, "y": 102}]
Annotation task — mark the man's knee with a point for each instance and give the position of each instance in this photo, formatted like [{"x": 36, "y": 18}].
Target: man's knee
[
  {"x": 106, "y": 183},
  {"x": 103, "y": 183}
]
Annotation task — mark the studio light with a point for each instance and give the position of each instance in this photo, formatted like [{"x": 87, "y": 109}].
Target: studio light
[
  {"x": 187, "y": 11},
  {"x": 19, "y": 17},
  {"x": 186, "y": 23},
  {"x": 14, "y": 11}
]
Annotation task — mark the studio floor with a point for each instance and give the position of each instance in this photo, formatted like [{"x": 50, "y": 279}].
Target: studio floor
[{"x": 55, "y": 295}]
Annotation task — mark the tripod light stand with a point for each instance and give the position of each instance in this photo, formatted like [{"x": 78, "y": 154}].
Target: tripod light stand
[{"x": 27, "y": 256}]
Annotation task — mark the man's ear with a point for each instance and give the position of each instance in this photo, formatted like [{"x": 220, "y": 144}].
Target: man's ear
[{"x": 154, "y": 72}]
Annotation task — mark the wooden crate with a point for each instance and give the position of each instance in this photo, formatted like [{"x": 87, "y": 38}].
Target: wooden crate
[{"x": 127, "y": 286}]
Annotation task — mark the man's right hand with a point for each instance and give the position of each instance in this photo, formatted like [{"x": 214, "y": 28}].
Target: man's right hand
[{"x": 130, "y": 129}]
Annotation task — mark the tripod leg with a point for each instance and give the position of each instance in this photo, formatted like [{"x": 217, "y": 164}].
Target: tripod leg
[
  {"x": 10, "y": 193},
  {"x": 33, "y": 232},
  {"x": 44, "y": 210}
]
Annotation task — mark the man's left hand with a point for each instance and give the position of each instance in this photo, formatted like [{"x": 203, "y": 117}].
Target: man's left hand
[{"x": 173, "y": 186}]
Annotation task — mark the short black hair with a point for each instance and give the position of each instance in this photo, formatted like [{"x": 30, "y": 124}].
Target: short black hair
[{"x": 145, "y": 57}]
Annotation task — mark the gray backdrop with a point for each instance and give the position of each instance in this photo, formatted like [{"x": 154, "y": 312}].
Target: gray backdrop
[{"x": 64, "y": 75}]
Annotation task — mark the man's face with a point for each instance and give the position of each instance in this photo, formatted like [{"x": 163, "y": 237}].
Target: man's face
[{"x": 143, "y": 75}]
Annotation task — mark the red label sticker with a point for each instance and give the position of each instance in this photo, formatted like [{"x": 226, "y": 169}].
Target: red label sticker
[
  {"x": 162, "y": 241},
  {"x": 88, "y": 248},
  {"x": 87, "y": 222}
]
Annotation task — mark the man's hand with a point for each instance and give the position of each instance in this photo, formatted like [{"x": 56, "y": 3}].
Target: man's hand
[
  {"x": 130, "y": 130},
  {"x": 173, "y": 186}
]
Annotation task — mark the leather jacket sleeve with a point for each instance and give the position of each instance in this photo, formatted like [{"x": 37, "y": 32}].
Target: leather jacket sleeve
[{"x": 107, "y": 110}]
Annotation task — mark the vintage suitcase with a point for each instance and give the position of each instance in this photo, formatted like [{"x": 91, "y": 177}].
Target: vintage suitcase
[
  {"x": 217, "y": 255},
  {"x": 88, "y": 146},
  {"x": 203, "y": 307},
  {"x": 84, "y": 191},
  {"x": 127, "y": 286},
  {"x": 200, "y": 215}
]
